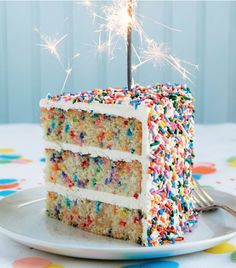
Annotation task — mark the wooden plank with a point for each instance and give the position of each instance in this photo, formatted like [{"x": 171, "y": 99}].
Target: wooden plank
[
  {"x": 200, "y": 60},
  {"x": 184, "y": 41},
  {"x": 216, "y": 82},
  {"x": 101, "y": 58},
  {"x": 149, "y": 11},
  {"x": 167, "y": 19},
  {"x": 187, "y": 17},
  {"x": 19, "y": 61},
  {"x": 36, "y": 63},
  {"x": 232, "y": 65},
  {"x": 86, "y": 68},
  {"x": 69, "y": 46},
  {"x": 52, "y": 23},
  {"x": 3, "y": 65}
]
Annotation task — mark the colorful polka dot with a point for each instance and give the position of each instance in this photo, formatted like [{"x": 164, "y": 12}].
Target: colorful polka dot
[
  {"x": 8, "y": 186},
  {"x": 10, "y": 156},
  {"x": 6, "y": 193},
  {"x": 7, "y": 158},
  {"x": 55, "y": 266},
  {"x": 222, "y": 248},
  {"x": 21, "y": 161},
  {"x": 197, "y": 176},
  {"x": 233, "y": 256},
  {"x": 6, "y": 150},
  {"x": 42, "y": 159},
  {"x": 204, "y": 168},
  {"x": 31, "y": 262},
  {"x": 7, "y": 181},
  {"x": 232, "y": 161},
  {"x": 159, "y": 264},
  {"x": 5, "y": 161}
]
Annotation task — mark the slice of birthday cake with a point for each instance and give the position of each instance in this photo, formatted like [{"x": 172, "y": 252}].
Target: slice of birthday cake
[{"x": 118, "y": 162}]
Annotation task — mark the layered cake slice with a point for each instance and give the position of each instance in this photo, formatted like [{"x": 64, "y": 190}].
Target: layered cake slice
[{"x": 118, "y": 162}]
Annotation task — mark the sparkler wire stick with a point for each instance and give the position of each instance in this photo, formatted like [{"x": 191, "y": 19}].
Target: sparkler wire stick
[{"x": 129, "y": 46}]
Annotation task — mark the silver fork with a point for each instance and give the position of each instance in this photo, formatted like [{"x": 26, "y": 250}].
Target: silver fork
[{"x": 202, "y": 201}]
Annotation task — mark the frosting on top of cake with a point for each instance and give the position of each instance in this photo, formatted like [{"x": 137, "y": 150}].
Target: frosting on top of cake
[{"x": 149, "y": 95}]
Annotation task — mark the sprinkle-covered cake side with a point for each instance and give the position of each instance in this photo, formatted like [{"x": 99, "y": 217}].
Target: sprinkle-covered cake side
[{"x": 170, "y": 125}]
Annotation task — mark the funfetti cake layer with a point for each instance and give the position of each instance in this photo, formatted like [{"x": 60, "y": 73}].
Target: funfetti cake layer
[
  {"x": 97, "y": 217},
  {"x": 93, "y": 129},
  {"x": 94, "y": 173},
  {"x": 144, "y": 158}
]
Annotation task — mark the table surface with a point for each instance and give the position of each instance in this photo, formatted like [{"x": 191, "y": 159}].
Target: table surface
[{"x": 21, "y": 167}]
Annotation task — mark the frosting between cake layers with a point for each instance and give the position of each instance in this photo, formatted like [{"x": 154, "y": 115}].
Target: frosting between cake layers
[
  {"x": 80, "y": 193},
  {"x": 124, "y": 109},
  {"x": 114, "y": 155}
]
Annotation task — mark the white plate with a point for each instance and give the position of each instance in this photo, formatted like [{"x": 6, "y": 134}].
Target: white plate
[{"x": 25, "y": 221}]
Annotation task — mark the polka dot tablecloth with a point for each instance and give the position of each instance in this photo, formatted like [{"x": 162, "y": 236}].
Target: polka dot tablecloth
[{"x": 21, "y": 167}]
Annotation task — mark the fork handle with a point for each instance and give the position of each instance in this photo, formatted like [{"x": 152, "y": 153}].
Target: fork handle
[{"x": 226, "y": 208}]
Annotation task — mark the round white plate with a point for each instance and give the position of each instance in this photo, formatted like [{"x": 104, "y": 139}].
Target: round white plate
[{"x": 23, "y": 218}]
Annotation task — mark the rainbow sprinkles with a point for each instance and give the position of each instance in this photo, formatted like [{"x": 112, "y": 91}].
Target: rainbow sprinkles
[{"x": 119, "y": 161}]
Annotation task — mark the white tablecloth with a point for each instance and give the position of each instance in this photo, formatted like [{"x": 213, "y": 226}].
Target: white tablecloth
[{"x": 21, "y": 167}]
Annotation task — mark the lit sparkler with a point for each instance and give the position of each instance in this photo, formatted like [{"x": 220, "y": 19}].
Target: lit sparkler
[
  {"x": 114, "y": 22},
  {"x": 129, "y": 45},
  {"x": 118, "y": 21}
]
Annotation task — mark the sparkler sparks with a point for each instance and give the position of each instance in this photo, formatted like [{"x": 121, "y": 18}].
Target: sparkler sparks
[
  {"x": 100, "y": 46},
  {"x": 159, "y": 52},
  {"x": 76, "y": 55},
  {"x": 86, "y": 3},
  {"x": 114, "y": 22},
  {"x": 68, "y": 72},
  {"x": 51, "y": 44}
]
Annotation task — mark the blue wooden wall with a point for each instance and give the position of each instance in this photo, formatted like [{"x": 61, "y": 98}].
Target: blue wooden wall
[{"x": 27, "y": 73}]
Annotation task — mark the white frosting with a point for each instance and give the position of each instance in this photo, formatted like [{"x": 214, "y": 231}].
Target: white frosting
[
  {"x": 81, "y": 193},
  {"x": 127, "y": 111},
  {"x": 114, "y": 155}
]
